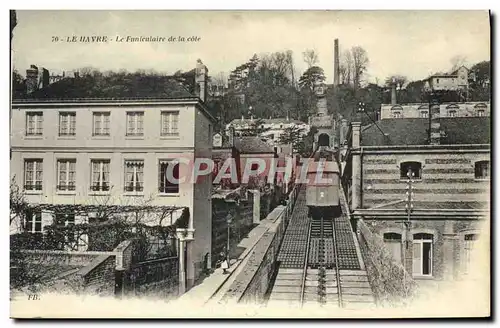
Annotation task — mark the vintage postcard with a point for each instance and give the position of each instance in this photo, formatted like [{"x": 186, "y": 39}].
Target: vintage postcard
[{"x": 250, "y": 164}]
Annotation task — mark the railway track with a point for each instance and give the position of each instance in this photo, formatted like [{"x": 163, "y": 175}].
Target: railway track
[
  {"x": 332, "y": 274},
  {"x": 319, "y": 262}
]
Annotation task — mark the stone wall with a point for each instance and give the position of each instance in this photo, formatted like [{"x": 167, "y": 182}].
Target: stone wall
[
  {"x": 99, "y": 276},
  {"x": 252, "y": 284}
]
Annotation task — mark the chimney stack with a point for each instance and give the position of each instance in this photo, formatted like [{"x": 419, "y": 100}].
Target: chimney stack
[
  {"x": 394, "y": 100},
  {"x": 336, "y": 63},
  {"x": 32, "y": 79},
  {"x": 201, "y": 77},
  {"x": 44, "y": 79}
]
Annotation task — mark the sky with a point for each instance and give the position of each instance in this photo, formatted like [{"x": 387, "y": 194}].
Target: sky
[{"x": 410, "y": 43}]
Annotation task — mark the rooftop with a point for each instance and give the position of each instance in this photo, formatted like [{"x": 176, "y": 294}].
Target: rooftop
[
  {"x": 252, "y": 145},
  {"x": 115, "y": 86},
  {"x": 414, "y": 131},
  {"x": 282, "y": 120}
]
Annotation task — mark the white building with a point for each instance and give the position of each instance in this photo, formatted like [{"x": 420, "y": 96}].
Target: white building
[
  {"x": 81, "y": 151},
  {"x": 271, "y": 128}
]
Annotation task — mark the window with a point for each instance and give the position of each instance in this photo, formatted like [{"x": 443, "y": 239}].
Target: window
[
  {"x": 480, "y": 112},
  {"x": 34, "y": 122},
  {"x": 134, "y": 175},
  {"x": 67, "y": 124},
  {"x": 397, "y": 115},
  {"x": 452, "y": 113},
  {"x": 135, "y": 121},
  {"x": 415, "y": 167},
  {"x": 169, "y": 170},
  {"x": 437, "y": 80},
  {"x": 482, "y": 170},
  {"x": 101, "y": 124},
  {"x": 34, "y": 222},
  {"x": 469, "y": 244},
  {"x": 33, "y": 169},
  {"x": 100, "y": 175},
  {"x": 66, "y": 171},
  {"x": 170, "y": 123},
  {"x": 393, "y": 242},
  {"x": 422, "y": 254},
  {"x": 424, "y": 114}
]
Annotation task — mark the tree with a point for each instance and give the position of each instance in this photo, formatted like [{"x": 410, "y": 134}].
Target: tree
[
  {"x": 457, "y": 62},
  {"x": 312, "y": 77},
  {"x": 18, "y": 85},
  {"x": 399, "y": 80},
  {"x": 480, "y": 86},
  {"x": 310, "y": 57},
  {"x": 346, "y": 68},
  {"x": 308, "y": 81},
  {"x": 18, "y": 203},
  {"x": 294, "y": 136},
  {"x": 360, "y": 63}
]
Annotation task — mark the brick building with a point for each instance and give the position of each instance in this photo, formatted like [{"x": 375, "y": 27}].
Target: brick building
[{"x": 451, "y": 189}]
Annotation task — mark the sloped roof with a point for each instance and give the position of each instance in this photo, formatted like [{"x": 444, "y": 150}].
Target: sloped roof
[
  {"x": 252, "y": 145},
  {"x": 114, "y": 86},
  {"x": 414, "y": 131},
  {"x": 282, "y": 120}
]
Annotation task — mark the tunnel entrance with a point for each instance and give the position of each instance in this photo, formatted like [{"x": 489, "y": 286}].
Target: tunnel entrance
[{"x": 323, "y": 140}]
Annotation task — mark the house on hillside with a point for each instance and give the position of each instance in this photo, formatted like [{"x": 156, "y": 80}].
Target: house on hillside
[{"x": 272, "y": 128}]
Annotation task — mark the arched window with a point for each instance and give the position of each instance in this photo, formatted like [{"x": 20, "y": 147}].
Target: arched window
[
  {"x": 393, "y": 243},
  {"x": 422, "y": 254},
  {"x": 415, "y": 167},
  {"x": 452, "y": 113},
  {"x": 424, "y": 114},
  {"x": 480, "y": 112},
  {"x": 482, "y": 170},
  {"x": 397, "y": 114}
]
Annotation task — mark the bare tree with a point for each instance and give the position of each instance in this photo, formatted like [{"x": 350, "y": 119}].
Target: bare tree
[
  {"x": 310, "y": 57},
  {"x": 457, "y": 62},
  {"x": 397, "y": 79},
  {"x": 360, "y": 63},
  {"x": 346, "y": 68}
]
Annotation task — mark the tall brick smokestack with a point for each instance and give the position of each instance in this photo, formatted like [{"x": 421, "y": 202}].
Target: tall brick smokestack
[
  {"x": 394, "y": 99},
  {"x": 336, "y": 63}
]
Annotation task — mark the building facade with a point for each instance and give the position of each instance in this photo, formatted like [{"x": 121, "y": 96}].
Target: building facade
[
  {"x": 119, "y": 151},
  {"x": 272, "y": 128},
  {"x": 421, "y": 110},
  {"x": 449, "y": 196}
]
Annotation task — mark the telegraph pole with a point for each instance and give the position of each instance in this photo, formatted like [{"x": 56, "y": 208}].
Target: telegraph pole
[{"x": 407, "y": 222}]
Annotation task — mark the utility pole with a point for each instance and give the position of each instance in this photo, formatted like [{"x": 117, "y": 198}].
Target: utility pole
[{"x": 407, "y": 223}]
